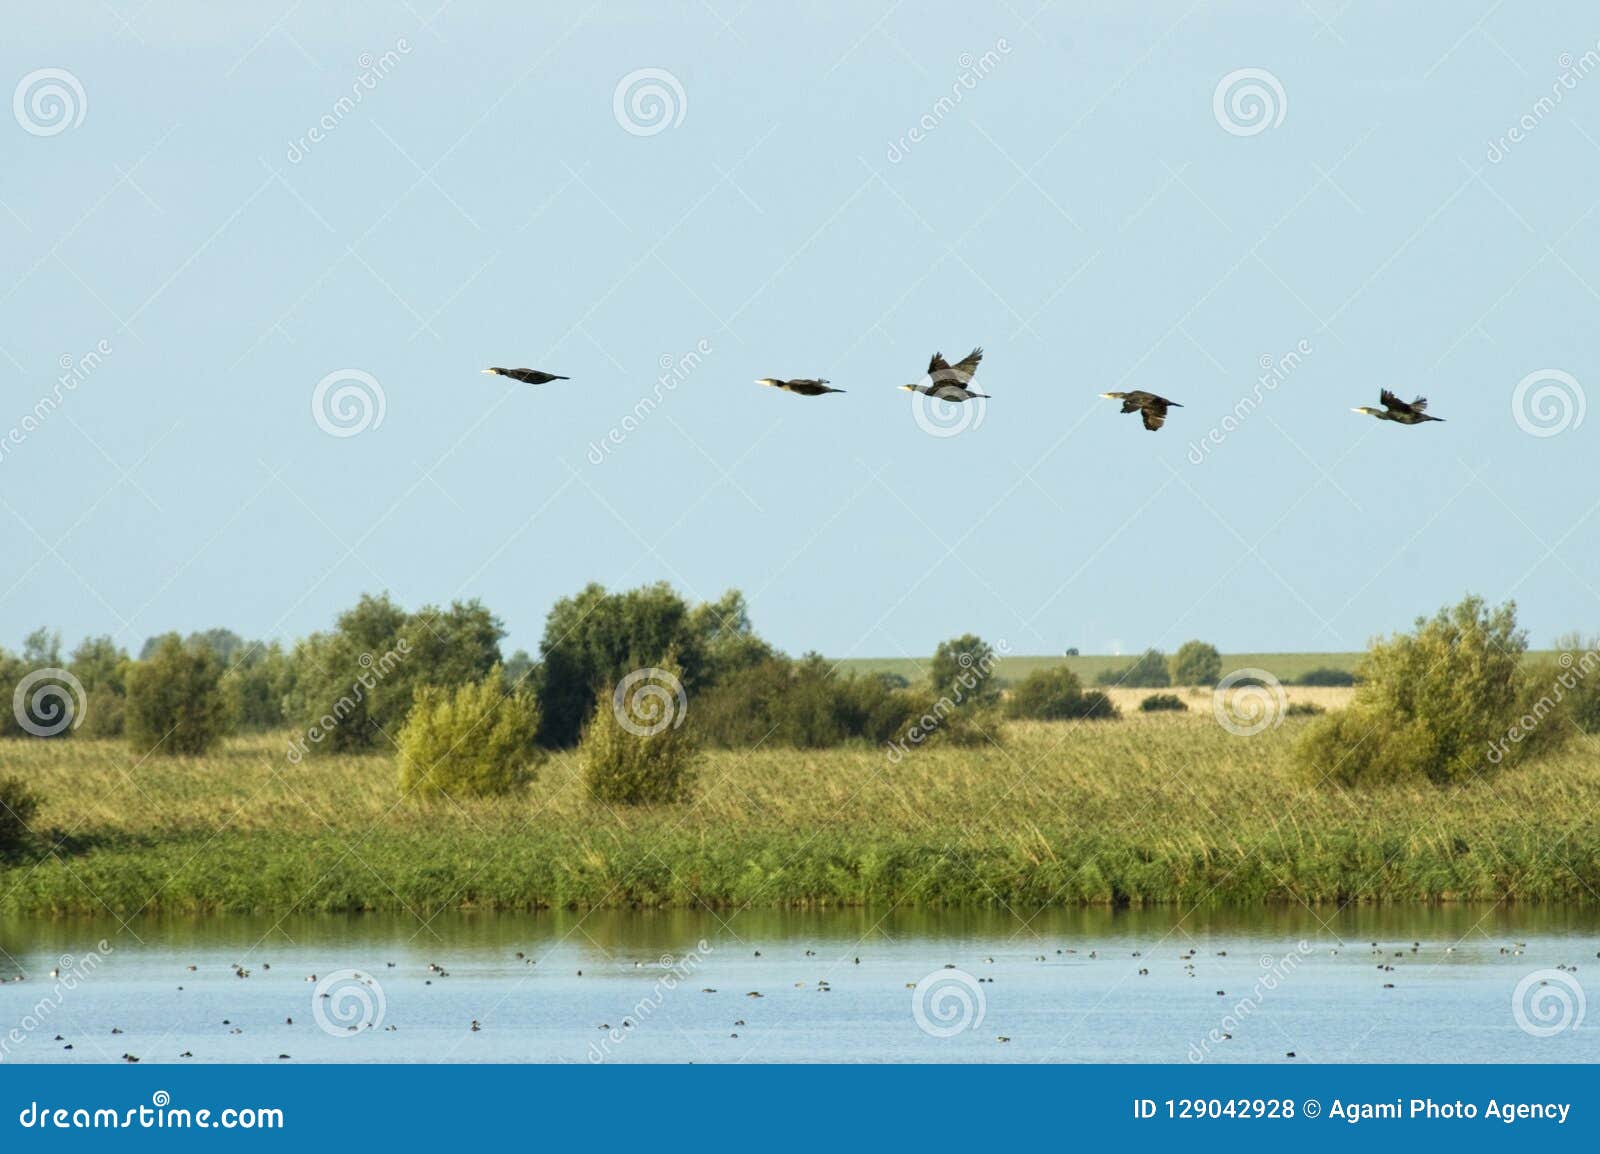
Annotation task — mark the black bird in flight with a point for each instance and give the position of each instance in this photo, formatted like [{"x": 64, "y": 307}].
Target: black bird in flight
[
  {"x": 1148, "y": 405},
  {"x": 800, "y": 386},
  {"x": 948, "y": 382},
  {"x": 1394, "y": 409},
  {"x": 527, "y": 376}
]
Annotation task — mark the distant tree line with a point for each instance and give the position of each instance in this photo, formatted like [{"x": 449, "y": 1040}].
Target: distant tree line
[{"x": 617, "y": 672}]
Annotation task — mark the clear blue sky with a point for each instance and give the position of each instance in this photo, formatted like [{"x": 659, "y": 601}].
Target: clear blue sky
[{"x": 1081, "y": 212}]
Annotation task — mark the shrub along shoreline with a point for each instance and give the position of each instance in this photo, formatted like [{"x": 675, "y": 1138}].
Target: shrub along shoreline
[{"x": 1156, "y": 809}]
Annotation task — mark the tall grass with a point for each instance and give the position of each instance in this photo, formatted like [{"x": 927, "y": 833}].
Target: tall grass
[{"x": 1153, "y": 809}]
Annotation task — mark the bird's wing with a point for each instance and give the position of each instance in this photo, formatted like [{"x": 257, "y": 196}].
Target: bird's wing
[
  {"x": 1154, "y": 417},
  {"x": 964, "y": 370},
  {"x": 938, "y": 364},
  {"x": 1390, "y": 401},
  {"x": 1419, "y": 405}
]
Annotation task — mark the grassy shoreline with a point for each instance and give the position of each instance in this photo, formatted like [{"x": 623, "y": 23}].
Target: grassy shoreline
[{"x": 1143, "y": 811}]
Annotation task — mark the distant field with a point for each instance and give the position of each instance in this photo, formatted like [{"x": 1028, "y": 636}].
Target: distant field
[
  {"x": 1283, "y": 666},
  {"x": 1286, "y": 667}
]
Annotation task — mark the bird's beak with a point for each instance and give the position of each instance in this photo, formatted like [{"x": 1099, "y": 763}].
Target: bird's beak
[
  {"x": 489, "y": 371},
  {"x": 764, "y": 381},
  {"x": 1358, "y": 410},
  {"x": 1108, "y": 396},
  {"x": 908, "y": 388}
]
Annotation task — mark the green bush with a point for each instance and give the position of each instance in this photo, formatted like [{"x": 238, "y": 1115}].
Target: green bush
[
  {"x": 636, "y": 749},
  {"x": 1161, "y": 703},
  {"x": 1196, "y": 663},
  {"x": 963, "y": 670},
  {"x": 17, "y": 807},
  {"x": 1443, "y": 703},
  {"x": 1323, "y": 675},
  {"x": 1304, "y": 709},
  {"x": 176, "y": 704},
  {"x": 1148, "y": 671},
  {"x": 803, "y": 704},
  {"x": 1056, "y": 694},
  {"x": 473, "y": 740}
]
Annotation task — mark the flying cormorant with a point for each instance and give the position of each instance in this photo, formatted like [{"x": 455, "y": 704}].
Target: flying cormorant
[
  {"x": 801, "y": 386},
  {"x": 527, "y": 376},
  {"x": 949, "y": 382},
  {"x": 1148, "y": 405},
  {"x": 1394, "y": 409}
]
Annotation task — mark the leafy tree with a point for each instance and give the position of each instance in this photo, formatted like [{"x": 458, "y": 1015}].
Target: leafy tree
[
  {"x": 1196, "y": 663},
  {"x": 1444, "y": 703},
  {"x": 176, "y": 704},
  {"x": 626, "y": 763},
  {"x": 101, "y": 667},
  {"x": 594, "y": 639},
  {"x": 52, "y": 705},
  {"x": 225, "y": 643},
  {"x": 963, "y": 669},
  {"x": 1148, "y": 671},
  {"x": 521, "y": 670},
  {"x": 1056, "y": 694},
  {"x": 471, "y": 740},
  {"x": 357, "y": 683},
  {"x": 259, "y": 679},
  {"x": 42, "y": 648},
  {"x": 727, "y": 637}
]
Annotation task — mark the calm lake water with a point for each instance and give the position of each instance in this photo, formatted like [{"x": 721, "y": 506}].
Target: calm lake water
[{"x": 1073, "y": 986}]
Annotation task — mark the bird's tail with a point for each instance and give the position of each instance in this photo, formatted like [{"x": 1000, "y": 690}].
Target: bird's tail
[
  {"x": 985, "y": 396},
  {"x": 555, "y": 378}
]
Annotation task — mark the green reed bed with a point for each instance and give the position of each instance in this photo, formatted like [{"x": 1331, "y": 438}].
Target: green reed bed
[{"x": 1146, "y": 810}]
